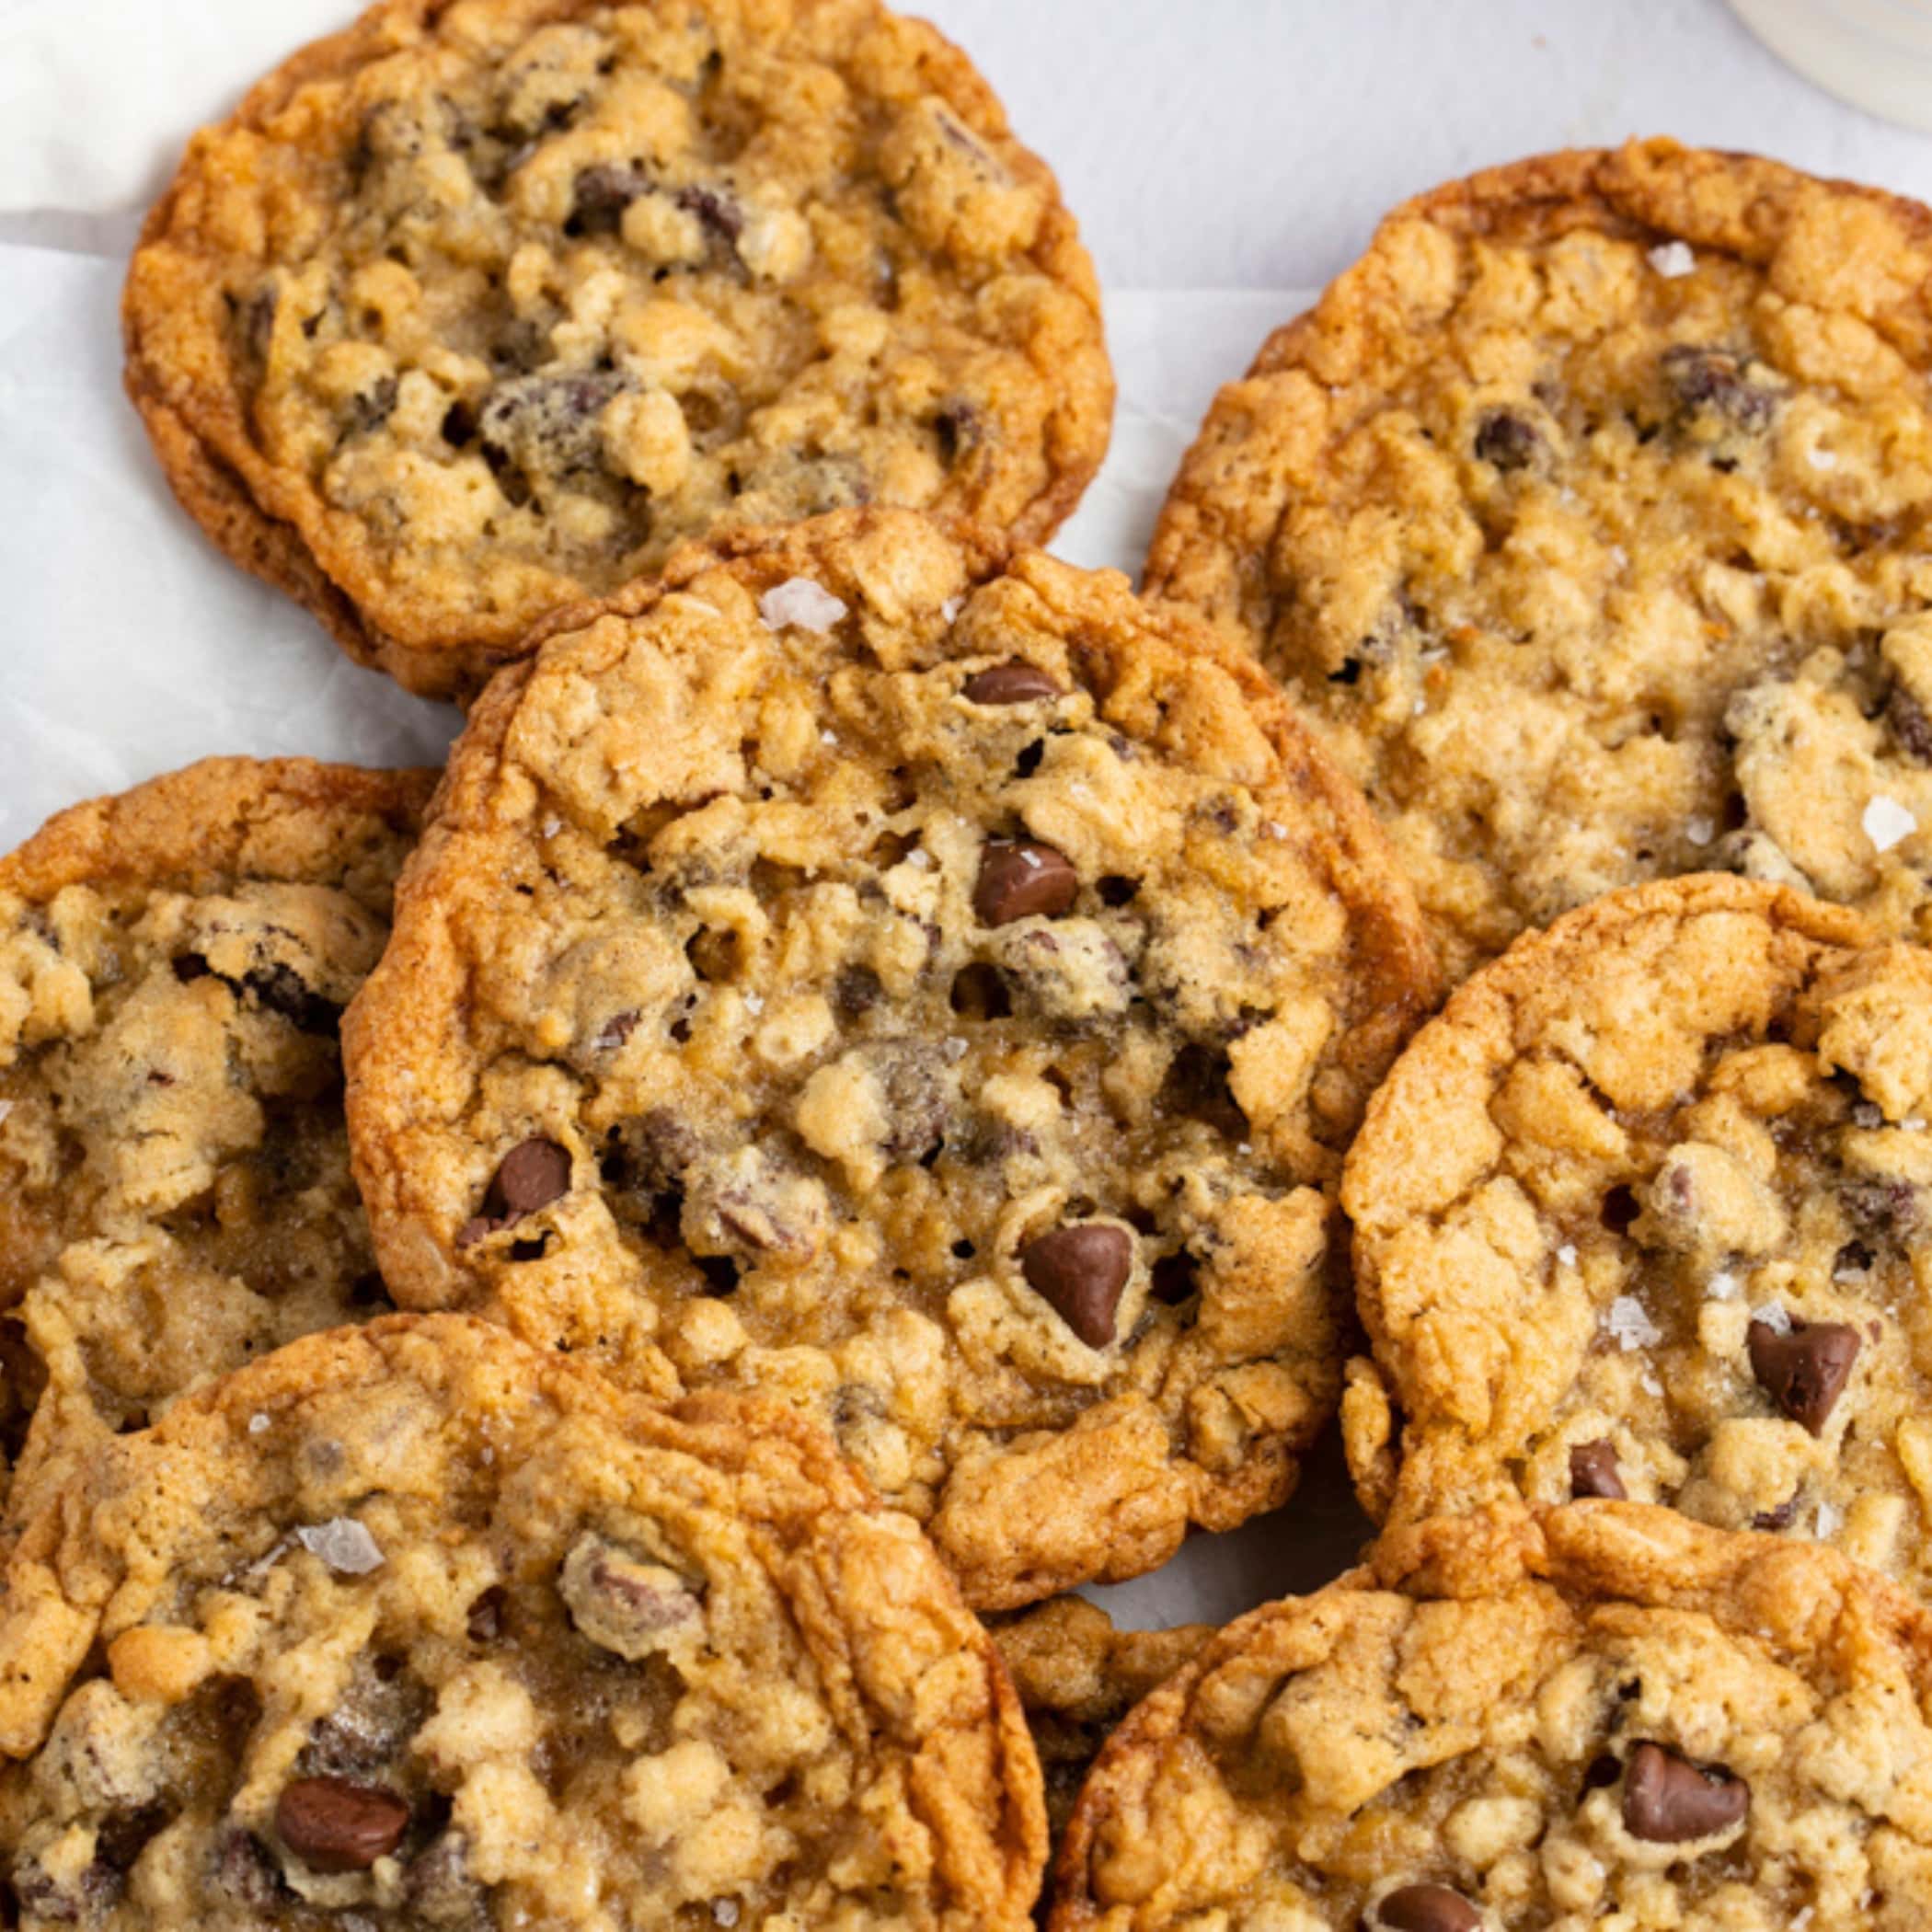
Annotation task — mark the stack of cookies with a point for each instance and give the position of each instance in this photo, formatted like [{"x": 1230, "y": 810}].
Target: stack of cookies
[{"x": 882, "y": 1085}]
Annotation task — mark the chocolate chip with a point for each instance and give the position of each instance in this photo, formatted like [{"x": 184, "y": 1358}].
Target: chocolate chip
[
  {"x": 720, "y": 217},
  {"x": 621, "y": 1604},
  {"x": 1080, "y": 1271},
  {"x": 1427, "y": 1908},
  {"x": 615, "y": 1031},
  {"x": 958, "y": 430},
  {"x": 1019, "y": 878},
  {"x": 280, "y": 989},
  {"x": 370, "y": 409},
  {"x": 1714, "y": 379},
  {"x": 1778, "y": 1518},
  {"x": 1669, "y": 1801},
  {"x": 189, "y": 967},
  {"x": 1804, "y": 1372},
  {"x": 1014, "y": 683},
  {"x": 1508, "y": 441},
  {"x": 549, "y": 423},
  {"x": 333, "y": 1825},
  {"x": 439, "y": 1886},
  {"x": 856, "y": 990},
  {"x": 599, "y": 198},
  {"x": 1593, "y": 1471},
  {"x": 1910, "y": 725},
  {"x": 246, "y": 1869},
  {"x": 531, "y": 1176}
]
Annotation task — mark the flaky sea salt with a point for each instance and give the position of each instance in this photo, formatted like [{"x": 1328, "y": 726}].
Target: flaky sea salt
[
  {"x": 258, "y": 1424},
  {"x": 7, "y": 1106},
  {"x": 800, "y": 601},
  {"x": 919, "y": 858},
  {"x": 828, "y": 737},
  {"x": 1673, "y": 259},
  {"x": 1722, "y": 1286},
  {"x": 1268, "y": 828},
  {"x": 1912, "y": 1123},
  {"x": 951, "y": 611},
  {"x": 1774, "y": 1317},
  {"x": 1700, "y": 831},
  {"x": 1567, "y": 1254},
  {"x": 343, "y": 1544},
  {"x": 1633, "y": 1328},
  {"x": 1827, "y": 1523},
  {"x": 725, "y": 1911},
  {"x": 552, "y": 826},
  {"x": 755, "y": 1003},
  {"x": 1820, "y": 458},
  {"x": 1886, "y": 822}
]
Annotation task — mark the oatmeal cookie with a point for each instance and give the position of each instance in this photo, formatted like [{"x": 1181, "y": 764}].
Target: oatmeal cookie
[
  {"x": 477, "y": 309},
  {"x": 175, "y": 1192},
  {"x": 1664, "y": 1725},
  {"x": 1077, "y": 1677},
  {"x": 409, "y": 1625},
  {"x": 1592, "y": 514},
  {"x": 1643, "y": 1214},
  {"x": 912, "y": 981}
]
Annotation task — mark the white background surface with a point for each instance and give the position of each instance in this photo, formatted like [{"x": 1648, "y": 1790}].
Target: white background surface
[{"x": 1224, "y": 157}]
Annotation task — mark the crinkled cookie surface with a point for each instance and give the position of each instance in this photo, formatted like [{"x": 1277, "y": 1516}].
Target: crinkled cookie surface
[
  {"x": 916, "y": 983},
  {"x": 1665, "y": 1725},
  {"x": 412, "y": 1627},
  {"x": 1589, "y": 513},
  {"x": 1643, "y": 1213},
  {"x": 477, "y": 309},
  {"x": 175, "y": 1192}
]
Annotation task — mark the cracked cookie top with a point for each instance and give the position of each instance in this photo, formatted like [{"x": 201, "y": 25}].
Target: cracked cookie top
[
  {"x": 475, "y": 310},
  {"x": 175, "y": 1192},
  {"x": 916, "y": 982},
  {"x": 1589, "y": 511},
  {"x": 1643, "y": 1214},
  {"x": 409, "y": 1625},
  {"x": 1664, "y": 1725}
]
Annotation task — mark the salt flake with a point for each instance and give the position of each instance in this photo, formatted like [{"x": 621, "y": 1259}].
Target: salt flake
[
  {"x": 1886, "y": 822},
  {"x": 755, "y": 1003},
  {"x": 1700, "y": 830},
  {"x": 1774, "y": 1317},
  {"x": 1722, "y": 1286},
  {"x": 725, "y": 1911},
  {"x": 552, "y": 826},
  {"x": 343, "y": 1544},
  {"x": 951, "y": 611},
  {"x": 1672, "y": 259},
  {"x": 1912, "y": 1123},
  {"x": 1633, "y": 1328},
  {"x": 258, "y": 1424},
  {"x": 1826, "y": 1524},
  {"x": 799, "y": 600},
  {"x": 1567, "y": 1254},
  {"x": 7, "y": 1106},
  {"x": 1820, "y": 458}
]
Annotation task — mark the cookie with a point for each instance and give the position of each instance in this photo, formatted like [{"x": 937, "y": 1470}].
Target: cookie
[
  {"x": 1665, "y": 1725},
  {"x": 1077, "y": 1677},
  {"x": 175, "y": 1192},
  {"x": 910, "y": 979},
  {"x": 409, "y": 1625},
  {"x": 1643, "y": 1214},
  {"x": 1589, "y": 513},
  {"x": 473, "y": 311}
]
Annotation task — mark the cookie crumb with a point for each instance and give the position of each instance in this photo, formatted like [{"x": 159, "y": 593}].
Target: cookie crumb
[
  {"x": 1672, "y": 259},
  {"x": 343, "y": 1544},
  {"x": 799, "y": 600},
  {"x": 1886, "y": 822}
]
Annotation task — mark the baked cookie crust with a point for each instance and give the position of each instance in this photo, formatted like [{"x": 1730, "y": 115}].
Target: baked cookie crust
[
  {"x": 174, "y": 1192},
  {"x": 412, "y": 1625},
  {"x": 472, "y": 311},
  {"x": 1659, "y": 1723},
  {"x": 1641, "y": 1213},
  {"x": 907, "y": 978},
  {"x": 1588, "y": 513}
]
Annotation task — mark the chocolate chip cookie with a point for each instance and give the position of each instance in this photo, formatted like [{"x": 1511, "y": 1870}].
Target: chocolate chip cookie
[
  {"x": 912, "y": 981},
  {"x": 475, "y": 310},
  {"x": 1666, "y": 1725},
  {"x": 409, "y": 1625},
  {"x": 1643, "y": 1214},
  {"x": 175, "y": 1192},
  {"x": 1591, "y": 512},
  {"x": 1077, "y": 1677}
]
